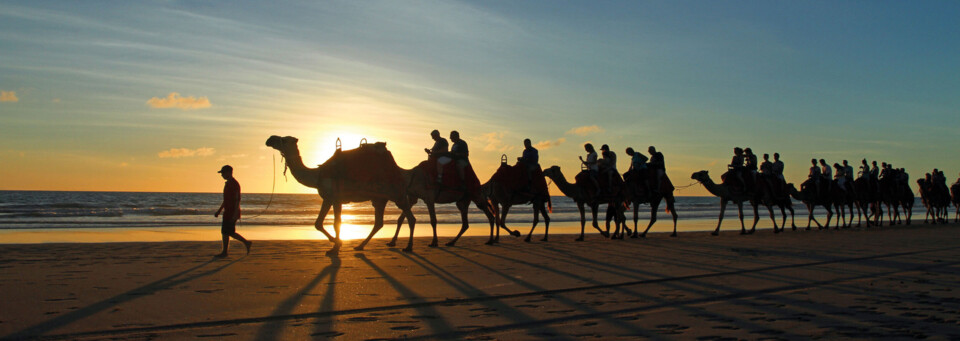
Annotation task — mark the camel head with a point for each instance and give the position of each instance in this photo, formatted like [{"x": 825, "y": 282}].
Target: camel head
[
  {"x": 553, "y": 171},
  {"x": 284, "y": 144},
  {"x": 700, "y": 176}
]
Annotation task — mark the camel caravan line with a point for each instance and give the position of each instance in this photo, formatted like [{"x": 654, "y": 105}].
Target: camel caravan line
[{"x": 370, "y": 173}]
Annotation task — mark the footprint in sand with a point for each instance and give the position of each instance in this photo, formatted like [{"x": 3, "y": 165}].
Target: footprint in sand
[
  {"x": 405, "y": 328},
  {"x": 362, "y": 319},
  {"x": 327, "y": 334}
]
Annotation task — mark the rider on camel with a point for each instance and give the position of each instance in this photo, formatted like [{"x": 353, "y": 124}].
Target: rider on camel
[
  {"x": 736, "y": 166},
  {"x": 750, "y": 166},
  {"x": 658, "y": 165},
  {"x": 608, "y": 165},
  {"x": 814, "y": 175},
  {"x": 778, "y": 169},
  {"x": 766, "y": 169},
  {"x": 638, "y": 161},
  {"x": 591, "y": 164},
  {"x": 530, "y": 159},
  {"x": 826, "y": 173},
  {"x": 460, "y": 152},
  {"x": 438, "y": 153}
]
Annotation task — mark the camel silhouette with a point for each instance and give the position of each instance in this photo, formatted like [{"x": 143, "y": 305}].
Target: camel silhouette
[
  {"x": 580, "y": 195},
  {"x": 726, "y": 194},
  {"x": 368, "y": 173},
  {"x": 508, "y": 187},
  {"x": 636, "y": 192}
]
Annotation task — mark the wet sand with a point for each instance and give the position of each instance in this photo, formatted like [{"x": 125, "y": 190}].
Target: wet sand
[{"x": 893, "y": 282}]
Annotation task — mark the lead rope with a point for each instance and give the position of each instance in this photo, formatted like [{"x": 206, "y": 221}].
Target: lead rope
[
  {"x": 273, "y": 187},
  {"x": 687, "y": 186}
]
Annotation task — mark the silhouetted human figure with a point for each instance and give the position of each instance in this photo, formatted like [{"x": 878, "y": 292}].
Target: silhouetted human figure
[
  {"x": 591, "y": 164},
  {"x": 839, "y": 176},
  {"x": 460, "y": 152},
  {"x": 778, "y": 167},
  {"x": 848, "y": 177},
  {"x": 530, "y": 158},
  {"x": 827, "y": 174},
  {"x": 231, "y": 211},
  {"x": 736, "y": 167},
  {"x": 438, "y": 153},
  {"x": 658, "y": 166},
  {"x": 750, "y": 166},
  {"x": 608, "y": 165},
  {"x": 766, "y": 170},
  {"x": 815, "y": 175}
]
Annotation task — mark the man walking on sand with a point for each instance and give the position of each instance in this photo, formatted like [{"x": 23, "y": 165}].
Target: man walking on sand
[{"x": 231, "y": 211}]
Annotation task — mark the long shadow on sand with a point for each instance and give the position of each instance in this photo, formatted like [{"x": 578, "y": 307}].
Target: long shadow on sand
[
  {"x": 271, "y": 330},
  {"x": 147, "y": 289}
]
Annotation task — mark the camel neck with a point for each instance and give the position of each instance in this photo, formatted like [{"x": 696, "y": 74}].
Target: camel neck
[
  {"x": 713, "y": 188},
  {"x": 565, "y": 186},
  {"x": 306, "y": 176}
]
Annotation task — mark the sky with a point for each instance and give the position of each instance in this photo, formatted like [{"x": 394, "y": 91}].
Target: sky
[{"x": 157, "y": 95}]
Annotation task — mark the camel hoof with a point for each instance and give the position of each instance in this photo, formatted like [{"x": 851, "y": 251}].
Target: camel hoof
[
  {"x": 408, "y": 249},
  {"x": 515, "y": 233},
  {"x": 544, "y": 239},
  {"x": 714, "y": 233},
  {"x": 775, "y": 231},
  {"x": 578, "y": 239},
  {"x": 357, "y": 248},
  {"x": 450, "y": 243},
  {"x": 490, "y": 242},
  {"x": 605, "y": 234},
  {"x": 674, "y": 234},
  {"x": 433, "y": 245},
  {"x": 526, "y": 239},
  {"x": 392, "y": 244},
  {"x": 333, "y": 252},
  {"x": 635, "y": 236}
]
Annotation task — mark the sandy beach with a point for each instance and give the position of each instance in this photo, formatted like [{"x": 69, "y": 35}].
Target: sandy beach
[{"x": 893, "y": 282}]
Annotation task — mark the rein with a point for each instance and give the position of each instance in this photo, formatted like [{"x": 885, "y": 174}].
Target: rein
[{"x": 687, "y": 186}]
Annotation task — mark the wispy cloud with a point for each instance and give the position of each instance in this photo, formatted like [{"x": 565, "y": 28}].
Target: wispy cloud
[
  {"x": 8, "y": 96},
  {"x": 543, "y": 145},
  {"x": 174, "y": 100},
  {"x": 585, "y": 130},
  {"x": 185, "y": 152},
  {"x": 494, "y": 142}
]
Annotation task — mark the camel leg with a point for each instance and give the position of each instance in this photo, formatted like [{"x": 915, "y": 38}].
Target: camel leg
[
  {"x": 636, "y": 218},
  {"x": 536, "y": 220},
  {"x": 829, "y": 216},
  {"x": 393, "y": 242},
  {"x": 654, "y": 206},
  {"x": 673, "y": 212},
  {"x": 593, "y": 211},
  {"x": 723, "y": 207},
  {"x": 793, "y": 220},
  {"x": 432, "y": 211},
  {"x": 583, "y": 220},
  {"x": 379, "y": 206},
  {"x": 743, "y": 228},
  {"x": 324, "y": 209},
  {"x": 773, "y": 217},
  {"x": 503, "y": 222},
  {"x": 756, "y": 218},
  {"x": 546, "y": 223}
]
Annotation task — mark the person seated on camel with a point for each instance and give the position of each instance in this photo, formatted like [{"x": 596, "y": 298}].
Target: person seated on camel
[
  {"x": 460, "y": 152},
  {"x": 814, "y": 176},
  {"x": 530, "y": 159},
  {"x": 608, "y": 165},
  {"x": 750, "y": 167},
  {"x": 439, "y": 153},
  {"x": 864, "y": 173},
  {"x": 840, "y": 177},
  {"x": 766, "y": 173},
  {"x": 736, "y": 169},
  {"x": 875, "y": 176},
  {"x": 658, "y": 166},
  {"x": 638, "y": 163},
  {"x": 827, "y": 175},
  {"x": 848, "y": 177},
  {"x": 591, "y": 164},
  {"x": 778, "y": 172}
]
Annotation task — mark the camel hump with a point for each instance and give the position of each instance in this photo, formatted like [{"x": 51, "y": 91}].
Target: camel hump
[{"x": 370, "y": 165}]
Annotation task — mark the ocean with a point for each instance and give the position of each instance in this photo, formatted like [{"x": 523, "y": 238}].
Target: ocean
[{"x": 39, "y": 210}]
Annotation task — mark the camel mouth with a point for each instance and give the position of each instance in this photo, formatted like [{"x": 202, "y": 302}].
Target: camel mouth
[{"x": 274, "y": 141}]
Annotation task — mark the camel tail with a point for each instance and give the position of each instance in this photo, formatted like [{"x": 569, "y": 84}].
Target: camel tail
[{"x": 549, "y": 204}]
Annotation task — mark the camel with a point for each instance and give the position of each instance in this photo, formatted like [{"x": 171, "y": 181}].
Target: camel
[
  {"x": 955, "y": 198},
  {"x": 895, "y": 194},
  {"x": 726, "y": 194},
  {"x": 637, "y": 193},
  {"x": 421, "y": 186},
  {"x": 867, "y": 199},
  {"x": 579, "y": 195},
  {"x": 811, "y": 199},
  {"x": 336, "y": 186},
  {"x": 505, "y": 189},
  {"x": 935, "y": 201}
]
